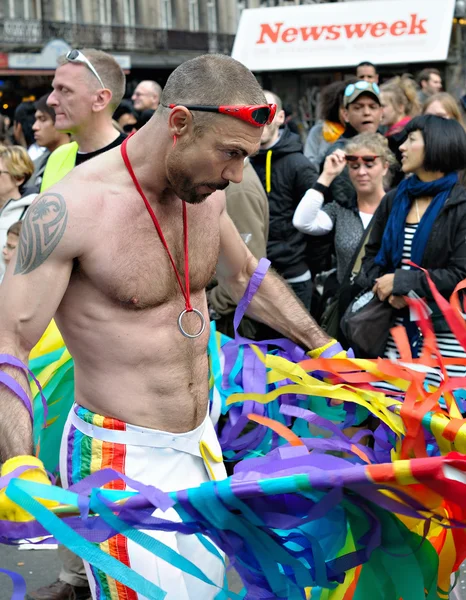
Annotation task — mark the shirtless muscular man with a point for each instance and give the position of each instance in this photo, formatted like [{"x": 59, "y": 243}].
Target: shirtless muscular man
[{"x": 90, "y": 256}]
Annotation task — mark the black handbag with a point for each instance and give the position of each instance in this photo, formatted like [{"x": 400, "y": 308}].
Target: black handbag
[
  {"x": 330, "y": 321},
  {"x": 366, "y": 324}
]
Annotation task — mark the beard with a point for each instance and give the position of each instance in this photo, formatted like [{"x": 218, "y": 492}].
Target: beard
[{"x": 184, "y": 186}]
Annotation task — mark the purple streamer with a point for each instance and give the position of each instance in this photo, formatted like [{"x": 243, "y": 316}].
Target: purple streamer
[
  {"x": 19, "y": 584},
  {"x": 12, "y": 361}
]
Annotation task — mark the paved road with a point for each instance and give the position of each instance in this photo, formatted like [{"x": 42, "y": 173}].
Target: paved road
[{"x": 40, "y": 567}]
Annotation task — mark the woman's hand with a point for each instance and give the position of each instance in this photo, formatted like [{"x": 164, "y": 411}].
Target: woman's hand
[
  {"x": 397, "y": 302},
  {"x": 333, "y": 166},
  {"x": 384, "y": 286}
]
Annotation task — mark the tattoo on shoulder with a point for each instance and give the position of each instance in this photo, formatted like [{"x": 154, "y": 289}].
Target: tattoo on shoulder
[{"x": 43, "y": 227}]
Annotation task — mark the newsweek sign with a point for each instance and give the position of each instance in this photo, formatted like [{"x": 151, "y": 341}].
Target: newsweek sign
[{"x": 344, "y": 34}]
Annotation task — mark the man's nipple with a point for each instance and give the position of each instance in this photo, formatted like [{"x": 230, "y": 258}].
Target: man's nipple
[{"x": 134, "y": 300}]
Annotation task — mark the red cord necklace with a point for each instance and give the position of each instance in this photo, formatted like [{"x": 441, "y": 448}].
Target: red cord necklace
[{"x": 184, "y": 290}]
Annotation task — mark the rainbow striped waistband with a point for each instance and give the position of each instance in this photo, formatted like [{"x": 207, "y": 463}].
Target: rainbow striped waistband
[{"x": 109, "y": 429}]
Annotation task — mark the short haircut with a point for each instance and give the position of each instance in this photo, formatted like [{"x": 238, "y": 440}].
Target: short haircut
[
  {"x": 444, "y": 140},
  {"x": 214, "y": 79},
  {"x": 17, "y": 162},
  {"x": 153, "y": 86},
  {"x": 277, "y": 100},
  {"x": 375, "y": 142},
  {"x": 15, "y": 229},
  {"x": 366, "y": 63},
  {"x": 109, "y": 71},
  {"x": 425, "y": 74},
  {"x": 42, "y": 105},
  {"x": 24, "y": 114}
]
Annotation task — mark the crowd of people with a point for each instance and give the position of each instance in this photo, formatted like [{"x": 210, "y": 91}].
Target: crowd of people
[{"x": 375, "y": 187}]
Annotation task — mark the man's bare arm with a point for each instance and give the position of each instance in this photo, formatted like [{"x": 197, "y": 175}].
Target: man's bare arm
[
  {"x": 274, "y": 303},
  {"x": 29, "y": 297}
]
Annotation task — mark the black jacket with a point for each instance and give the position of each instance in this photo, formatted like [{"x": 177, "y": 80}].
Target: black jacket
[
  {"x": 290, "y": 175},
  {"x": 444, "y": 256}
]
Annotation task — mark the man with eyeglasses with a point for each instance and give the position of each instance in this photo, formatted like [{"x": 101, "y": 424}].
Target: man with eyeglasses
[
  {"x": 106, "y": 252},
  {"x": 146, "y": 96},
  {"x": 362, "y": 111}
]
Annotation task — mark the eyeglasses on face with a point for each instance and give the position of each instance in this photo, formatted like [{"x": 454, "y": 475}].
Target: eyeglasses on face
[
  {"x": 257, "y": 115},
  {"x": 367, "y": 159},
  {"x": 76, "y": 56}
]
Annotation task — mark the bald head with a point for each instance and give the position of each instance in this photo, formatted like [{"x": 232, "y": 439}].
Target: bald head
[{"x": 147, "y": 95}]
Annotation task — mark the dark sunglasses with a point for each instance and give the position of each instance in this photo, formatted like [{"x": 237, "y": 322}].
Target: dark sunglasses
[
  {"x": 367, "y": 159},
  {"x": 129, "y": 127},
  {"x": 257, "y": 115}
]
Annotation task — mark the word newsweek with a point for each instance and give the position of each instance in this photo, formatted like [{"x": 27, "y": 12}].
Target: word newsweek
[{"x": 276, "y": 32}]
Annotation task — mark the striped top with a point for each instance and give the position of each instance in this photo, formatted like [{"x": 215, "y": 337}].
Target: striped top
[{"x": 448, "y": 345}]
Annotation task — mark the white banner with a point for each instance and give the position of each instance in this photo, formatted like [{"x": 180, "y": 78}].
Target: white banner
[{"x": 344, "y": 34}]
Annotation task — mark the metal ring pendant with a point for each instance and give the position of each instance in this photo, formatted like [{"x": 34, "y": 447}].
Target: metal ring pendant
[{"x": 180, "y": 324}]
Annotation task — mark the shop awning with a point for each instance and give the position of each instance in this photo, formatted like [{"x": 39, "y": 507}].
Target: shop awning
[{"x": 344, "y": 34}]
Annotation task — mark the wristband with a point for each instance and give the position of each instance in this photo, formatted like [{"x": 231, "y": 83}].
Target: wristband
[
  {"x": 332, "y": 349},
  {"x": 323, "y": 189}
]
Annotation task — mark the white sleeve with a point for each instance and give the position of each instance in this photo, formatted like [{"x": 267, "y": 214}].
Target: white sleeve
[{"x": 309, "y": 218}]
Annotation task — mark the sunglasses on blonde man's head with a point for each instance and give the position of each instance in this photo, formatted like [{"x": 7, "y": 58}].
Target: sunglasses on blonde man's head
[
  {"x": 368, "y": 159},
  {"x": 76, "y": 56},
  {"x": 257, "y": 115}
]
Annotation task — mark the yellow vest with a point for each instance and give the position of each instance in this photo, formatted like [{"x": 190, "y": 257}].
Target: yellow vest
[{"x": 60, "y": 162}]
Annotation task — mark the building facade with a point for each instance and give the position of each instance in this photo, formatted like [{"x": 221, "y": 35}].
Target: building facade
[{"x": 157, "y": 33}]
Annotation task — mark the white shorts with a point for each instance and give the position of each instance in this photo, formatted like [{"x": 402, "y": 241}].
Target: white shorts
[{"x": 168, "y": 461}]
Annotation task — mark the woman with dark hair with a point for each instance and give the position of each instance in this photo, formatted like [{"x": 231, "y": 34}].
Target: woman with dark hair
[
  {"x": 424, "y": 221},
  {"x": 330, "y": 125}
]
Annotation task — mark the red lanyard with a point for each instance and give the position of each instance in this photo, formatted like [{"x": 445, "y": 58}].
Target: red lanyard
[{"x": 184, "y": 290}]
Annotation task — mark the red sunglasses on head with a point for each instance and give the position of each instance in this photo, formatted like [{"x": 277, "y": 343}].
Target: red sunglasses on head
[
  {"x": 366, "y": 159},
  {"x": 257, "y": 115}
]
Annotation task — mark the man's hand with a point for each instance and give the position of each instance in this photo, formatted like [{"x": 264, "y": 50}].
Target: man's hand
[
  {"x": 9, "y": 510},
  {"x": 332, "y": 349},
  {"x": 384, "y": 286},
  {"x": 397, "y": 302}
]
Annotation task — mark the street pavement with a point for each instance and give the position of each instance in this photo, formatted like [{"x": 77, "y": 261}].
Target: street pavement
[{"x": 41, "y": 567}]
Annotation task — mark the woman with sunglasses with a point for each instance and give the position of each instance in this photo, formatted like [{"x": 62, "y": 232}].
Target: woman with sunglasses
[
  {"x": 15, "y": 169},
  {"x": 424, "y": 221},
  {"x": 368, "y": 158}
]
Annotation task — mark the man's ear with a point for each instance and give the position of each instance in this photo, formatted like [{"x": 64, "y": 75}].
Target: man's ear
[
  {"x": 280, "y": 117},
  {"x": 344, "y": 112},
  {"x": 179, "y": 121},
  {"x": 102, "y": 99}
]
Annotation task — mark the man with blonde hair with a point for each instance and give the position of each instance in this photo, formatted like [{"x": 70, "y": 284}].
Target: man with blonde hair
[
  {"x": 146, "y": 96},
  {"x": 87, "y": 87}
]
